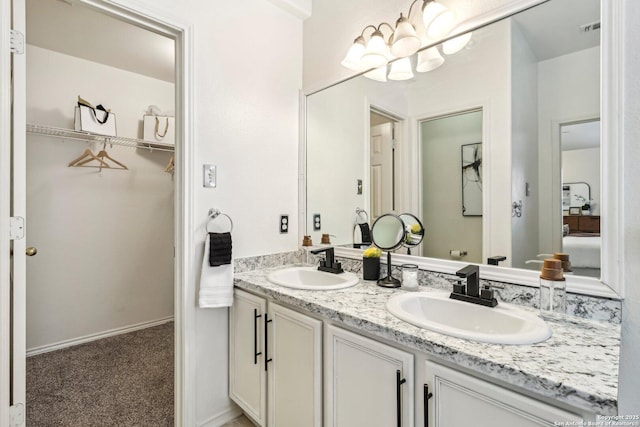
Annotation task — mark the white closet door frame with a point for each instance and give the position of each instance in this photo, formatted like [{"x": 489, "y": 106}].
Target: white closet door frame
[{"x": 154, "y": 20}]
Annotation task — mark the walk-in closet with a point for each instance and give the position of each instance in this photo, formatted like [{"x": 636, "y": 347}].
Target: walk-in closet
[{"x": 100, "y": 281}]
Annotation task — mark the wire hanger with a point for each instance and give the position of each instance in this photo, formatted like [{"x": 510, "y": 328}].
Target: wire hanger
[
  {"x": 171, "y": 166},
  {"x": 102, "y": 155},
  {"x": 87, "y": 157}
]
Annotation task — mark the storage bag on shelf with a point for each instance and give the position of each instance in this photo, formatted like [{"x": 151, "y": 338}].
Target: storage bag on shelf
[
  {"x": 99, "y": 120},
  {"x": 159, "y": 129}
]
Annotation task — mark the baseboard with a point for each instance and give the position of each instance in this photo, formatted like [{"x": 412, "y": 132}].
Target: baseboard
[
  {"x": 98, "y": 336},
  {"x": 222, "y": 418}
]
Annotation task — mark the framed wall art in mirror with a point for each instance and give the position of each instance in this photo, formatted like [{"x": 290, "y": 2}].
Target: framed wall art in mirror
[{"x": 471, "y": 159}]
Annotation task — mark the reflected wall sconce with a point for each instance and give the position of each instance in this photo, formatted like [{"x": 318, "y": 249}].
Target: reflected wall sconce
[{"x": 411, "y": 33}]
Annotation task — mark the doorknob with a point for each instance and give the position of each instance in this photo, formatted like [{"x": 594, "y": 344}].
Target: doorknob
[{"x": 31, "y": 251}]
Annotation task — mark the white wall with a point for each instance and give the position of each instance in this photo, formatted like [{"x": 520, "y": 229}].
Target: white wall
[
  {"x": 568, "y": 90},
  {"x": 629, "y": 392},
  {"x": 524, "y": 146},
  {"x": 447, "y": 229},
  {"x": 104, "y": 239},
  {"x": 584, "y": 166}
]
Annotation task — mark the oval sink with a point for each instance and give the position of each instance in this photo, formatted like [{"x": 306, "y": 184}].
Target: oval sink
[
  {"x": 311, "y": 278},
  {"x": 504, "y": 324}
]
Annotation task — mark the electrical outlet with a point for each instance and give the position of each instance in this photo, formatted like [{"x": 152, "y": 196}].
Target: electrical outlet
[
  {"x": 284, "y": 224},
  {"x": 359, "y": 187},
  {"x": 316, "y": 222},
  {"x": 208, "y": 176}
]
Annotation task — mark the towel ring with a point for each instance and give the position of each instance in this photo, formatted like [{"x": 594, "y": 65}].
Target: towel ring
[
  {"x": 215, "y": 213},
  {"x": 359, "y": 216}
]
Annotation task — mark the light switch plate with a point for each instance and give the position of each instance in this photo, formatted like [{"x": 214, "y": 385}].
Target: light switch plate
[{"x": 208, "y": 176}]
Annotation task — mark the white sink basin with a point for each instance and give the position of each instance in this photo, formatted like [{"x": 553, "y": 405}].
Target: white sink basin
[
  {"x": 311, "y": 278},
  {"x": 504, "y": 324}
]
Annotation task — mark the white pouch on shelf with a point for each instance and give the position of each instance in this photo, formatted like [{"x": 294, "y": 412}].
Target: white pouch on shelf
[
  {"x": 94, "y": 119},
  {"x": 159, "y": 129}
]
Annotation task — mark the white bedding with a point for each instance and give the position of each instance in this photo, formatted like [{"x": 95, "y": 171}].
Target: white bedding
[{"x": 583, "y": 251}]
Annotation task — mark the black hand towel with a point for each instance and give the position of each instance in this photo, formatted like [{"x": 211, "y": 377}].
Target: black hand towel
[
  {"x": 219, "y": 249},
  {"x": 366, "y": 232}
]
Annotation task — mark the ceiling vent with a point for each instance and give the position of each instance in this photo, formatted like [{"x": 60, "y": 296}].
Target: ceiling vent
[{"x": 587, "y": 28}]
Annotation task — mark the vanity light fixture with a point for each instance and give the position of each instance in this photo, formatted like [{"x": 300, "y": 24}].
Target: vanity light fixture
[
  {"x": 409, "y": 35},
  {"x": 401, "y": 69}
]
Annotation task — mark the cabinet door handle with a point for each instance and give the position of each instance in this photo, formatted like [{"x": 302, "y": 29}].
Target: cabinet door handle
[
  {"x": 256, "y": 316},
  {"x": 399, "y": 382},
  {"x": 426, "y": 396},
  {"x": 266, "y": 340}
]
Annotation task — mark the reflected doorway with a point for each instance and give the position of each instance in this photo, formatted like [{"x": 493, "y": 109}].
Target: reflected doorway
[
  {"x": 451, "y": 164},
  {"x": 384, "y": 135},
  {"x": 581, "y": 177}
]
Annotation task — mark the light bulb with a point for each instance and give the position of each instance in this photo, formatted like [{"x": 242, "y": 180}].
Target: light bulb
[
  {"x": 456, "y": 44},
  {"x": 375, "y": 55},
  {"x": 353, "y": 58},
  {"x": 405, "y": 40},
  {"x": 401, "y": 69},
  {"x": 378, "y": 74},
  {"x": 438, "y": 20},
  {"x": 429, "y": 60}
]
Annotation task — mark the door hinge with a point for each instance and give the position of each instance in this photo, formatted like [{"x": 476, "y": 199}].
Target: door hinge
[
  {"x": 17, "y": 42},
  {"x": 16, "y": 415},
  {"x": 16, "y": 228}
]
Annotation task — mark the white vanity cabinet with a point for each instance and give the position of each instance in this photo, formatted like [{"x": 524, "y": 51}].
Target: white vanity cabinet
[
  {"x": 367, "y": 383},
  {"x": 459, "y": 399},
  {"x": 275, "y": 368}
]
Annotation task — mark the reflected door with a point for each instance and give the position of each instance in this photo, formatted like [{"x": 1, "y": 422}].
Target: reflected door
[{"x": 381, "y": 169}]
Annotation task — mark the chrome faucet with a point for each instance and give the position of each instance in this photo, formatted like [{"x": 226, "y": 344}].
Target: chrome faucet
[
  {"x": 328, "y": 264},
  {"x": 471, "y": 292}
]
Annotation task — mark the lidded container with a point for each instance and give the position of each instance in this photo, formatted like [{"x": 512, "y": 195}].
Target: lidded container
[{"x": 553, "y": 288}]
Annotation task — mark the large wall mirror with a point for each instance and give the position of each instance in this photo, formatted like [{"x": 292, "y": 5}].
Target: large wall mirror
[{"x": 482, "y": 149}]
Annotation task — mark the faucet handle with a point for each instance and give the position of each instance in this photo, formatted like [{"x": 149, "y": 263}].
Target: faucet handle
[{"x": 487, "y": 292}]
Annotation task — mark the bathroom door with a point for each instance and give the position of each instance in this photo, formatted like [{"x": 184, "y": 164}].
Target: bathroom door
[{"x": 12, "y": 194}]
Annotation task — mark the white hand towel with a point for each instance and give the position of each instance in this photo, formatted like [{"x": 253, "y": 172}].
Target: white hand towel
[{"x": 216, "y": 283}]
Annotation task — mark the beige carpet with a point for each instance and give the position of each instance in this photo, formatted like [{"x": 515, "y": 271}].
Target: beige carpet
[{"x": 126, "y": 380}]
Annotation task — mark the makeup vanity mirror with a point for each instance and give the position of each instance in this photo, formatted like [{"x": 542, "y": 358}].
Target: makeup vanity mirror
[{"x": 487, "y": 128}]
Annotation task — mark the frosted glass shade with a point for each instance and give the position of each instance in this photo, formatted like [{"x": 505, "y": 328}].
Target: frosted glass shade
[
  {"x": 401, "y": 70},
  {"x": 429, "y": 60},
  {"x": 375, "y": 55},
  {"x": 353, "y": 58},
  {"x": 379, "y": 74},
  {"x": 438, "y": 20},
  {"x": 454, "y": 45},
  {"x": 405, "y": 40}
]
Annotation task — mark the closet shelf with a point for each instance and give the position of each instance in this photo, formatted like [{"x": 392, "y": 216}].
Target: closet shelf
[{"x": 92, "y": 137}]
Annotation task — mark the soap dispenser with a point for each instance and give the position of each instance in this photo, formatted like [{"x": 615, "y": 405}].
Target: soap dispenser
[{"x": 553, "y": 286}]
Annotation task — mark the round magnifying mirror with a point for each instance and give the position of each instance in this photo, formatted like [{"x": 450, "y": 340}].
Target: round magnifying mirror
[
  {"x": 388, "y": 232},
  {"x": 414, "y": 230}
]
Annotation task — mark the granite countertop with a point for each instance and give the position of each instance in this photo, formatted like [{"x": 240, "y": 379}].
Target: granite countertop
[{"x": 578, "y": 365}]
